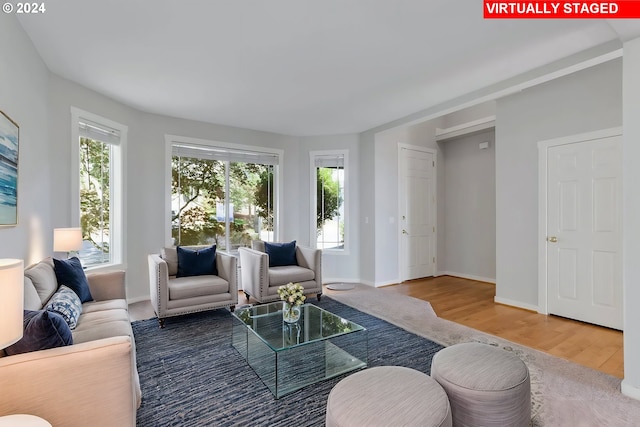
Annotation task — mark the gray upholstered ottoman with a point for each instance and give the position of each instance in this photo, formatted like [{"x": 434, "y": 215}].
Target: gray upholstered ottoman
[
  {"x": 388, "y": 396},
  {"x": 487, "y": 386}
]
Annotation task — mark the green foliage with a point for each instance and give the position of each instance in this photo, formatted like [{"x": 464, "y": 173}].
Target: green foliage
[
  {"x": 264, "y": 198},
  {"x": 200, "y": 184},
  {"x": 328, "y": 196},
  {"x": 94, "y": 191}
]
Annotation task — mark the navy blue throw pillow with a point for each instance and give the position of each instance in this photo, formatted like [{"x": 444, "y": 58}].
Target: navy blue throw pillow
[
  {"x": 69, "y": 272},
  {"x": 197, "y": 262},
  {"x": 42, "y": 330},
  {"x": 281, "y": 254}
]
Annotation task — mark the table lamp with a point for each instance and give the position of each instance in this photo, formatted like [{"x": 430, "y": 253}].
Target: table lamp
[
  {"x": 67, "y": 240},
  {"x": 11, "y": 301}
]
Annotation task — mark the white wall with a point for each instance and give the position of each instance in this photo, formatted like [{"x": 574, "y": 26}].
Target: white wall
[
  {"x": 470, "y": 207},
  {"x": 585, "y": 101},
  {"x": 631, "y": 215},
  {"x": 385, "y": 195},
  {"x": 336, "y": 266},
  {"x": 23, "y": 97}
]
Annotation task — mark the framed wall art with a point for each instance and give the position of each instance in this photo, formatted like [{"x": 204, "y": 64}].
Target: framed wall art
[{"x": 9, "y": 132}]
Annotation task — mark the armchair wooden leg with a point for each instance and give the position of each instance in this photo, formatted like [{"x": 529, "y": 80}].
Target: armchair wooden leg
[
  {"x": 161, "y": 323},
  {"x": 232, "y": 308},
  {"x": 319, "y": 296},
  {"x": 246, "y": 295}
]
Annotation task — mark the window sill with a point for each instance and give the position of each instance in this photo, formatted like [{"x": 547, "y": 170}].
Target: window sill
[{"x": 103, "y": 268}]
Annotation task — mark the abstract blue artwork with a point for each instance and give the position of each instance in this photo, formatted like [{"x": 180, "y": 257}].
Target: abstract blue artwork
[{"x": 8, "y": 170}]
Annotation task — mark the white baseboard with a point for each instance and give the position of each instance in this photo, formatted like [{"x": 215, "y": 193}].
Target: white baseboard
[
  {"x": 466, "y": 276},
  {"x": 137, "y": 299},
  {"x": 518, "y": 304},
  {"x": 630, "y": 390},
  {"x": 326, "y": 281},
  {"x": 387, "y": 283},
  {"x": 368, "y": 283}
]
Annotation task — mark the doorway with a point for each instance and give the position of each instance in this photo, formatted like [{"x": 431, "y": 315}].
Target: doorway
[
  {"x": 417, "y": 202},
  {"x": 581, "y": 228}
]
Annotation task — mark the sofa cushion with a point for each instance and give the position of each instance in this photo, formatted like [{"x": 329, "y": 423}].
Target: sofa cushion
[
  {"x": 281, "y": 254},
  {"x": 69, "y": 272},
  {"x": 196, "y": 286},
  {"x": 67, "y": 304},
  {"x": 292, "y": 273},
  {"x": 196, "y": 262},
  {"x": 170, "y": 256},
  {"x": 43, "y": 278},
  {"x": 112, "y": 304},
  {"x": 31, "y": 297},
  {"x": 42, "y": 330},
  {"x": 106, "y": 329}
]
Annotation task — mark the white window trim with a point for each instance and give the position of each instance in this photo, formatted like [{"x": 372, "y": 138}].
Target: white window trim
[
  {"x": 116, "y": 187},
  {"x": 176, "y": 139},
  {"x": 313, "y": 199}
]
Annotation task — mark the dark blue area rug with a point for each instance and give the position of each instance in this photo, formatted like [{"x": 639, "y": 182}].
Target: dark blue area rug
[{"x": 191, "y": 375}]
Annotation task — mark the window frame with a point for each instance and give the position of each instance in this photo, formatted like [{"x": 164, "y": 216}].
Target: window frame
[
  {"x": 314, "y": 202},
  {"x": 117, "y": 187},
  {"x": 171, "y": 140}
]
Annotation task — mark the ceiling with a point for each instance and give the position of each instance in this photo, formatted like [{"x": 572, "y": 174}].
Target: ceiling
[{"x": 297, "y": 67}]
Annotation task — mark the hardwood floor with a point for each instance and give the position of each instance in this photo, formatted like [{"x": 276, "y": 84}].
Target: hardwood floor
[{"x": 470, "y": 303}]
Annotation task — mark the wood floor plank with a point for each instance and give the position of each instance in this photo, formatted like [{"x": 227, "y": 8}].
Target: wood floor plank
[{"x": 471, "y": 303}]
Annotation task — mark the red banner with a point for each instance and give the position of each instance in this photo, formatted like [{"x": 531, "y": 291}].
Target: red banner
[{"x": 623, "y": 9}]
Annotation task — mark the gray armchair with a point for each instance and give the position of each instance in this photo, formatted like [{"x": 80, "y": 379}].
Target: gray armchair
[
  {"x": 174, "y": 296},
  {"x": 261, "y": 281}
]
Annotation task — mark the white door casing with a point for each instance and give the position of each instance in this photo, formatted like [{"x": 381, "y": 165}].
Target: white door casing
[
  {"x": 417, "y": 210},
  {"x": 581, "y": 263}
]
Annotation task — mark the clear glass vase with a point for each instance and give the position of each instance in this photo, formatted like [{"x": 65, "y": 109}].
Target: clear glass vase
[{"x": 290, "y": 313}]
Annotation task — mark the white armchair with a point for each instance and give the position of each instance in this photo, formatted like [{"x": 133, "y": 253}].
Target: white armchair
[
  {"x": 261, "y": 281},
  {"x": 174, "y": 296}
]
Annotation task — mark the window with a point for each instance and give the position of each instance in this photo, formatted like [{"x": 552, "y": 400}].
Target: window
[
  {"x": 99, "y": 185},
  {"x": 329, "y": 200},
  {"x": 222, "y": 195}
]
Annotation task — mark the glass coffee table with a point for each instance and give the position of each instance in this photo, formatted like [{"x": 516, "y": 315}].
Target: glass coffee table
[{"x": 289, "y": 356}]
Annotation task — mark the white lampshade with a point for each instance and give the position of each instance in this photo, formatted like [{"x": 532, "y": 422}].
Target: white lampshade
[
  {"x": 67, "y": 239},
  {"x": 11, "y": 301}
]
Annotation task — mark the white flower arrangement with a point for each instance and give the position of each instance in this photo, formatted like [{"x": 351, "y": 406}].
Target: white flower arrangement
[{"x": 292, "y": 294}]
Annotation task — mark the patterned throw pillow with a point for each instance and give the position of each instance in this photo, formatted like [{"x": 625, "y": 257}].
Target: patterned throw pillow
[{"x": 67, "y": 304}]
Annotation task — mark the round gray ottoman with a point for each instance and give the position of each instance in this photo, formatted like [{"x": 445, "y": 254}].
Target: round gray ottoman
[
  {"x": 388, "y": 396},
  {"x": 487, "y": 386}
]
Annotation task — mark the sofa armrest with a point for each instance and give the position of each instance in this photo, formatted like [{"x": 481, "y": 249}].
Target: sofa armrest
[
  {"x": 227, "y": 266},
  {"x": 311, "y": 259},
  {"x": 107, "y": 285},
  {"x": 254, "y": 267},
  {"x": 63, "y": 386},
  {"x": 158, "y": 283}
]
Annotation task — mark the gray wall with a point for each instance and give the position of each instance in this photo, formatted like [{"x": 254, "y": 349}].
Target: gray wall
[
  {"x": 336, "y": 266},
  {"x": 385, "y": 195},
  {"x": 581, "y": 102},
  {"x": 23, "y": 97},
  {"x": 631, "y": 213},
  {"x": 145, "y": 170},
  {"x": 470, "y": 207}
]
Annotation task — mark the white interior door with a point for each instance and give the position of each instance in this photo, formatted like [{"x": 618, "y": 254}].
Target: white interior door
[
  {"x": 584, "y": 236},
  {"x": 417, "y": 213}
]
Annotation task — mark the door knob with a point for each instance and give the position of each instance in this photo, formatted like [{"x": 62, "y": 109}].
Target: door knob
[{"x": 552, "y": 239}]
